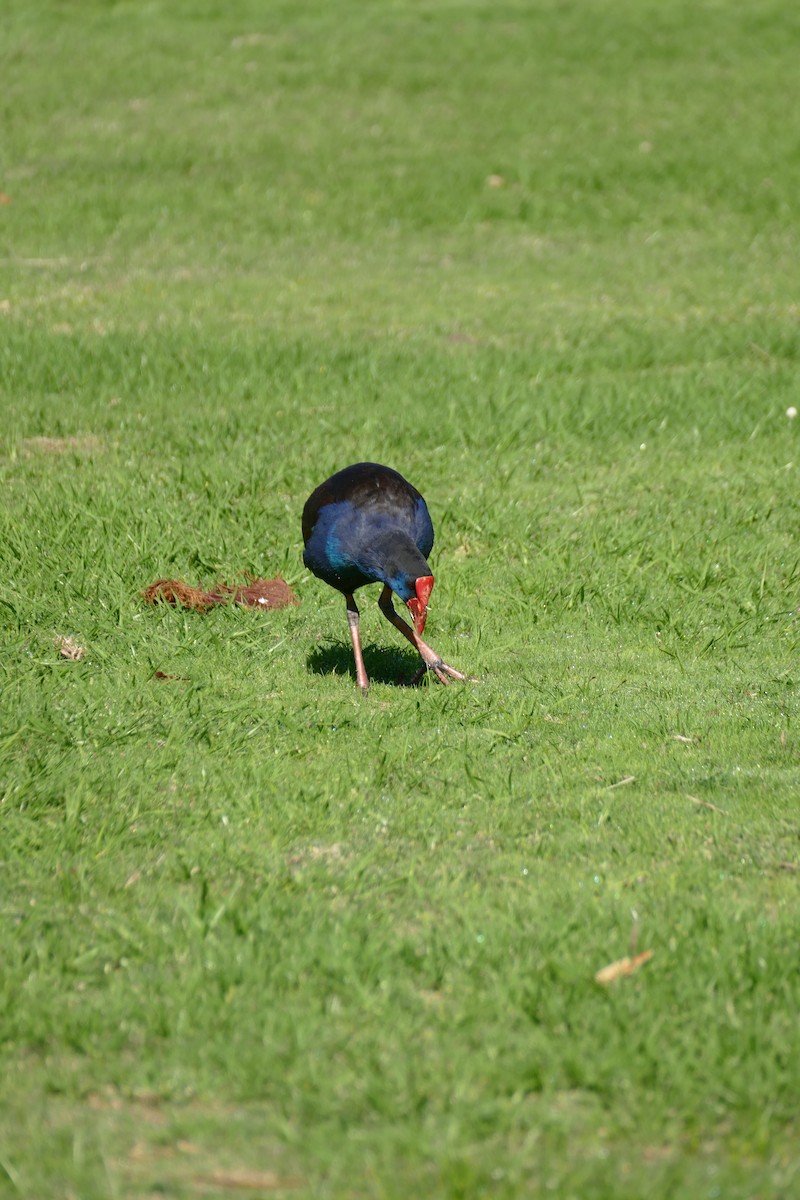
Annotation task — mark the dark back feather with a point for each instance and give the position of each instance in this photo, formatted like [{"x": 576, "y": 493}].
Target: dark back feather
[{"x": 365, "y": 523}]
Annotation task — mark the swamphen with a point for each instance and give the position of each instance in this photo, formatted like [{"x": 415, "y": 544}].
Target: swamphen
[{"x": 367, "y": 524}]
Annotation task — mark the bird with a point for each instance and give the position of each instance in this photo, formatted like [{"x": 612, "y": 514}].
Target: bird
[{"x": 367, "y": 524}]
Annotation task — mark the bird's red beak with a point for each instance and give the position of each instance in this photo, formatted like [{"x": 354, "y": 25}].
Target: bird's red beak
[{"x": 418, "y": 605}]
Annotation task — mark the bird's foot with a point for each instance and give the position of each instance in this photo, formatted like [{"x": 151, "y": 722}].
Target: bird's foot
[{"x": 441, "y": 670}]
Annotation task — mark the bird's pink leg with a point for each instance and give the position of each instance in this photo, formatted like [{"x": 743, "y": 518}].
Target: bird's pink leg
[
  {"x": 362, "y": 678},
  {"x": 433, "y": 662}
]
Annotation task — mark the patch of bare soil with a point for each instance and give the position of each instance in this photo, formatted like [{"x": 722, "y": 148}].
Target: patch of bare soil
[{"x": 258, "y": 593}]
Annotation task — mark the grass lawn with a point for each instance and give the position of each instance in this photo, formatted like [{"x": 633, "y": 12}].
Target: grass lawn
[{"x": 260, "y": 935}]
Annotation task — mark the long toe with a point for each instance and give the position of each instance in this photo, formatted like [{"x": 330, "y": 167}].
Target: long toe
[{"x": 444, "y": 673}]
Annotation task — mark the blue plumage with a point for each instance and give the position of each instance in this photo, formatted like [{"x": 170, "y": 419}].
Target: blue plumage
[{"x": 367, "y": 524}]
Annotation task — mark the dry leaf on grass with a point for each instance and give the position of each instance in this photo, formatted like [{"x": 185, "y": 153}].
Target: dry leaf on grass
[
  {"x": 622, "y": 967},
  {"x": 259, "y": 593},
  {"x": 68, "y": 648}
]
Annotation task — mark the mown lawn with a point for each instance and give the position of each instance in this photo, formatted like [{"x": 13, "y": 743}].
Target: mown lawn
[{"x": 262, "y": 935}]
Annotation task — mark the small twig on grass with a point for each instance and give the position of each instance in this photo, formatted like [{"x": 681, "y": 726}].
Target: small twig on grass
[
  {"x": 621, "y": 782},
  {"x": 706, "y": 804}
]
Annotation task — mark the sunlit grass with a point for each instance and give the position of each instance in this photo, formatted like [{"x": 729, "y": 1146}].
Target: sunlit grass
[{"x": 259, "y": 931}]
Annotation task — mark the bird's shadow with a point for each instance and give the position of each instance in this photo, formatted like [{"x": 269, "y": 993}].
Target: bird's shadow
[{"x": 383, "y": 665}]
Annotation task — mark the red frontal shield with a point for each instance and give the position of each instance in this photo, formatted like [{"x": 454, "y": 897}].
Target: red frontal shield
[{"x": 418, "y": 605}]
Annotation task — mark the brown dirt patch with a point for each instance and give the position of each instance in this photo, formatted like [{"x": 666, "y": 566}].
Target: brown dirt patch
[{"x": 257, "y": 593}]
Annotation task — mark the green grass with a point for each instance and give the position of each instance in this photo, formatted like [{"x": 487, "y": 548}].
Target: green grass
[{"x": 261, "y": 934}]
